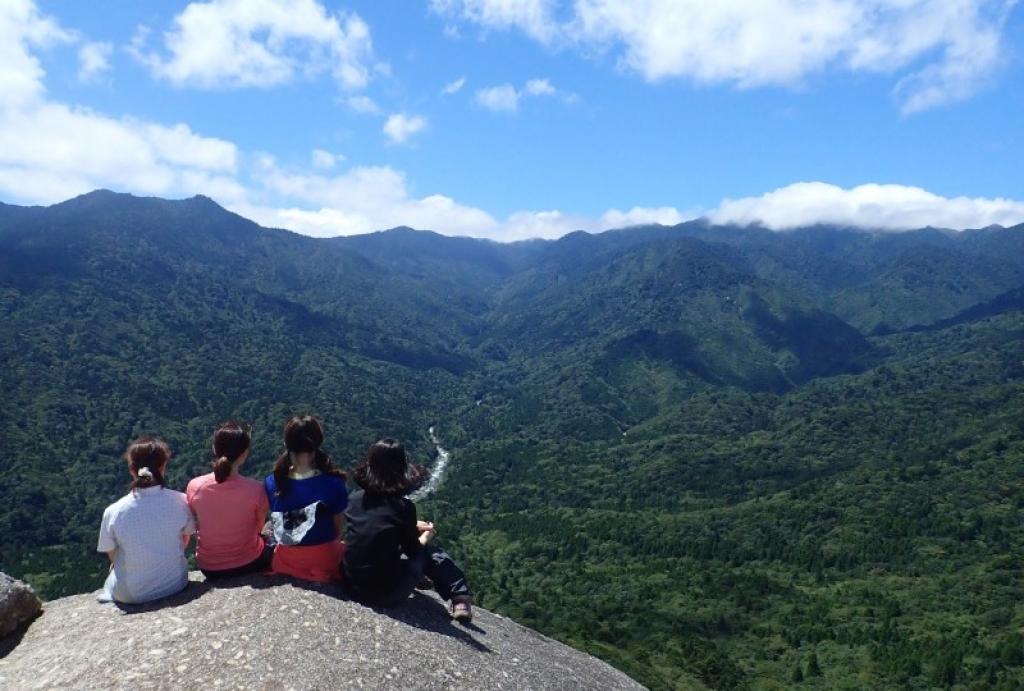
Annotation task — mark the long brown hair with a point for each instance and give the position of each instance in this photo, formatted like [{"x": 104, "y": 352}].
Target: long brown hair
[
  {"x": 230, "y": 441},
  {"x": 302, "y": 434},
  {"x": 385, "y": 469},
  {"x": 148, "y": 456}
]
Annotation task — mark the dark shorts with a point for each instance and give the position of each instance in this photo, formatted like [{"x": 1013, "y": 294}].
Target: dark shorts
[{"x": 257, "y": 565}]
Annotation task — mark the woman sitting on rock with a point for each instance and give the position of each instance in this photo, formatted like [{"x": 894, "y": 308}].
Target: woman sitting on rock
[
  {"x": 387, "y": 551},
  {"x": 230, "y": 510},
  {"x": 145, "y": 532},
  {"x": 308, "y": 497}
]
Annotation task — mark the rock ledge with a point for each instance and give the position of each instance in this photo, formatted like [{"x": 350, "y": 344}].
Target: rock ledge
[
  {"x": 18, "y": 604},
  {"x": 259, "y": 632}
]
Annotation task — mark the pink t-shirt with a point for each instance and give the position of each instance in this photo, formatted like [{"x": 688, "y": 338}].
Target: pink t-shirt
[{"x": 231, "y": 515}]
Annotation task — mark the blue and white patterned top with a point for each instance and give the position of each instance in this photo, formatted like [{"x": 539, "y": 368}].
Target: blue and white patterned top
[{"x": 304, "y": 514}]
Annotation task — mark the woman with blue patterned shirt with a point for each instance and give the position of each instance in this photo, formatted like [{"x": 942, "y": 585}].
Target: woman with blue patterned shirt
[{"x": 308, "y": 499}]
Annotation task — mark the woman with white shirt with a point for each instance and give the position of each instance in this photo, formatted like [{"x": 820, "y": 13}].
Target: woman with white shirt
[{"x": 145, "y": 532}]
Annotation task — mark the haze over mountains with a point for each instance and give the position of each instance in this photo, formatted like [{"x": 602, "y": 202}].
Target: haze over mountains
[{"x": 705, "y": 453}]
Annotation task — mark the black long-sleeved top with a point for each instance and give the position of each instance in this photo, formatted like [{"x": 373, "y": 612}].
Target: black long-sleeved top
[{"x": 379, "y": 529}]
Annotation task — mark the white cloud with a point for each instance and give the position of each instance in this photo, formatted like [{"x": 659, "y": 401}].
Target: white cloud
[
  {"x": 361, "y": 200},
  {"x": 49, "y": 152},
  {"x": 539, "y": 87},
  {"x": 888, "y": 207},
  {"x": 368, "y": 198},
  {"x": 940, "y": 51},
  {"x": 22, "y": 27},
  {"x": 261, "y": 43},
  {"x": 505, "y": 98},
  {"x": 639, "y": 216},
  {"x": 453, "y": 87},
  {"x": 363, "y": 104},
  {"x": 93, "y": 60},
  {"x": 399, "y": 127},
  {"x": 325, "y": 160},
  {"x": 524, "y": 225},
  {"x": 534, "y": 17}
]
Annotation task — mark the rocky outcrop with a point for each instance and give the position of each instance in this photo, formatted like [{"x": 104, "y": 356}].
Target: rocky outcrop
[
  {"x": 18, "y": 604},
  {"x": 259, "y": 632}
]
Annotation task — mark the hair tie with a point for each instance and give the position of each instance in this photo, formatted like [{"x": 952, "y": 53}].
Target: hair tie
[{"x": 145, "y": 472}]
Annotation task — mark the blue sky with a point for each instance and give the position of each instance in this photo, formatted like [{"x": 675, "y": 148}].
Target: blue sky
[{"x": 334, "y": 117}]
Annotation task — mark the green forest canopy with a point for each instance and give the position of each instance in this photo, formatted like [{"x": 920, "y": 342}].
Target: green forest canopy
[{"x": 716, "y": 457}]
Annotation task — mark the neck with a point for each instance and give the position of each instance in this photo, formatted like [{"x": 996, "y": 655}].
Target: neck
[{"x": 302, "y": 466}]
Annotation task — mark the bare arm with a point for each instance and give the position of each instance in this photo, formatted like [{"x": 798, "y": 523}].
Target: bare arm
[{"x": 339, "y": 526}]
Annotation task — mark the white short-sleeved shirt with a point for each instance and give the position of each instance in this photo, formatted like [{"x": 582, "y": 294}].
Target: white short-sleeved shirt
[{"x": 146, "y": 528}]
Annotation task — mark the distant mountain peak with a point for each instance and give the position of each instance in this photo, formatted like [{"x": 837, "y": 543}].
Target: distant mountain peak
[
  {"x": 104, "y": 196},
  {"x": 203, "y": 199}
]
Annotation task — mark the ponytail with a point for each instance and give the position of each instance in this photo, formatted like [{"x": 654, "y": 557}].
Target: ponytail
[
  {"x": 281, "y": 467},
  {"x": 147, "y": 457},
  {"x": 325, "y": 465},
  {"x": 230, "y": 442},
  {"x": 221, "y": 469}
]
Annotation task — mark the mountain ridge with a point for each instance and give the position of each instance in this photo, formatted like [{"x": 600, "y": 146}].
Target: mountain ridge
[{"x": 692, "y": 225}]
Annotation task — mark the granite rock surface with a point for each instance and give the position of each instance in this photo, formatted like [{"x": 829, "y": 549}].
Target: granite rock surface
[{"x": 258, "y": 632}]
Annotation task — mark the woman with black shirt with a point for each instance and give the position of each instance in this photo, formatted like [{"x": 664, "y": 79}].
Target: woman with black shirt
[{"x": 387, "y": 551}]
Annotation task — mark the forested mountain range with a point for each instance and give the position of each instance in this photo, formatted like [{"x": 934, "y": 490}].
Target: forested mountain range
[{"x": 715, "y": 456}]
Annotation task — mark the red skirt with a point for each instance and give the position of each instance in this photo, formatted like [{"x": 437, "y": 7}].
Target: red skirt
[{"x": 319, "y": 563}]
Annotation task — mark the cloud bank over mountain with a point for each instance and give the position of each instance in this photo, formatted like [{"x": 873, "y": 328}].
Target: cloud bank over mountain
[{"x": 886, "y": 207}]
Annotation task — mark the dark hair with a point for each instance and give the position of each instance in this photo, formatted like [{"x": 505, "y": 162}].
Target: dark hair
[
  {"x": 150, "y": 454},
  {"x": 230, "y": 441},
  {"x": 385, "y": 469},
  {"x": 302, "y": 434}
]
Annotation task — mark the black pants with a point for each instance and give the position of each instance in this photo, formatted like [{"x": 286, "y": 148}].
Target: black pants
[
  {"x": 258, "y": 565},
  {"x": 434, "y": 563}
]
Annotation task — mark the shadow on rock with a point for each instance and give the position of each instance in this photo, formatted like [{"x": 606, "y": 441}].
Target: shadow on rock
[
  {"x": 11, "y": 640},
  {"x": 194, "y": 590},
  {"x": 198, "y": 586},
  {"x": 424, "y": 612}
]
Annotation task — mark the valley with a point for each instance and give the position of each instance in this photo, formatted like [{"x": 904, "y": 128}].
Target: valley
[{"x": 714, "y": 456}]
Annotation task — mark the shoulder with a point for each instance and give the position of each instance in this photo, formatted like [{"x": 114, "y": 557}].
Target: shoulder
[
  {"x": 401, "y": 506},
  {"x": 197, "y": 483},
  {"x": 118, "y": 506},
  {"x": 174, "y": 497},
  {"x": 254, "y": 488},
  {"x": 354, "y": 497},
  {"x": 334, "y": 480},
  {"x": 250, "y": 484}
]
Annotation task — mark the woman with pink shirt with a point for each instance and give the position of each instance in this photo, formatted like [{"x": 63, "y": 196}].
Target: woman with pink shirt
[{"x": 230, "y": 510}]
